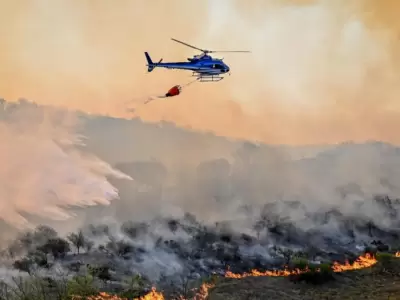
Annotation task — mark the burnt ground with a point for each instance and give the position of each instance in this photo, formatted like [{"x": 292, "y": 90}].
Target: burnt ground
[{"x": 377, "y": 282}]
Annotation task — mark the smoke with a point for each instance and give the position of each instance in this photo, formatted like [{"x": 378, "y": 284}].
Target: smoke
[
  {"x": 45, "y": 169},
  {"x": 177, "y": 171},
  {"x": 319, "y": 71},
  {"x": 323, "y": 200}
]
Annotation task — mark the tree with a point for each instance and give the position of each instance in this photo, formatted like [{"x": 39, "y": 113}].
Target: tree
[
  {"x": 88, "y": 245},
  {"x": 287, "y": 254},
  {"x": 56, "y": 246},
  {"x": 24, "y": 265},
  {"x": 78, "y": 240},
  {"x": 42, "y": 234}
]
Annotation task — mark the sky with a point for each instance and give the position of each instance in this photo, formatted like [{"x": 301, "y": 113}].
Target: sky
[{"x": 319, "y": 71}]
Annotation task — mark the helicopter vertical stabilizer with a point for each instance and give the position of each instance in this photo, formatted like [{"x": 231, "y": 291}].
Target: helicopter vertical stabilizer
[{"x": 150, "y": 63}]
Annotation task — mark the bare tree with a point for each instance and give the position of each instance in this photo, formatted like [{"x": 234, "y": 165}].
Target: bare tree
[{"x": 78, "y": 240}]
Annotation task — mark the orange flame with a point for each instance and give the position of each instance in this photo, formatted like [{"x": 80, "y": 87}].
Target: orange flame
[
  {"x": 153, "y": 295},
  {"x": 397, "y": 254},
  {"x": 361, "y": 262},
  {"x": 255, "y": 273}
]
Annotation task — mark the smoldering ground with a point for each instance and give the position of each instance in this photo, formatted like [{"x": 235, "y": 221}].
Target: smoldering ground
[{"x": 189, "y": 212}]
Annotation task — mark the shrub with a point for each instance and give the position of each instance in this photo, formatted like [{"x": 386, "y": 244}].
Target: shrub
[
  {"x": 320, "y": 274},
  {"x": 136, "y": 288},
  {"x": 300, "y": 263},
  {"x": 101, "y": 272},
  {"x": 24, "y": 265},
  {"x": 56, "y": 246},
  {"x": 387, "y": 262},
  {"x": 82, "y": 286}
]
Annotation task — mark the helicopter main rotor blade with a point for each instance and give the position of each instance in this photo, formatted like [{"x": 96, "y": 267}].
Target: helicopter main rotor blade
[
  {"x": 229, "y": 51},
  {"x": 189, "y": 45}
]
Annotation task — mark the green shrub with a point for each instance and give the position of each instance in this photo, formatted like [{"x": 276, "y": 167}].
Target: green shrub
[
  {"x": 213, "y": 279},
  {"x": 317, "y": 274},
  {"x": 300, "y": 263},
  {"x": 101, "y": 272},
  {"x": 387, "y": 262},
  {"x": 82, "y": 286},
  {"x": 325, "y": 268}
]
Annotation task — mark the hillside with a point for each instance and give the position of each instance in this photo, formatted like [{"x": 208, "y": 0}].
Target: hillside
[
  {"x": 380, "y": 282},
  {"x": 196, "y": 203}
]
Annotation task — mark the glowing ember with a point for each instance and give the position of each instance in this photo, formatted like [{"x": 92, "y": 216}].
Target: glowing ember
[{"x": 364, "y": 261}]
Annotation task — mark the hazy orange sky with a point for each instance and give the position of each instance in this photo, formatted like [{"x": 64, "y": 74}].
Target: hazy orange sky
[{"x": 319, "y": 71}]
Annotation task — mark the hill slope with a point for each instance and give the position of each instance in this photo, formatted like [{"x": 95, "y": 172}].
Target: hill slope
[{"x": 376, "y": 283}]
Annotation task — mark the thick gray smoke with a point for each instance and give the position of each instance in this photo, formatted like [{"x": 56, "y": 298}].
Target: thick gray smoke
[
  {"x": 331, "y": 198},
  {"x": 44, "y": 169}
]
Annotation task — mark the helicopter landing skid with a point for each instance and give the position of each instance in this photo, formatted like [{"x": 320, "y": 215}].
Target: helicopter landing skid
[{"x": 209, "y": 78}]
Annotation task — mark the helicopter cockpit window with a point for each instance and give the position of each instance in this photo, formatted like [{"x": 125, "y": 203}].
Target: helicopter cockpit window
[{"x": 217, "y": 66}]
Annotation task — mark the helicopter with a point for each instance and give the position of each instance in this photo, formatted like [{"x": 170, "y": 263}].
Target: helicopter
[{"x": 203, "y": 66}]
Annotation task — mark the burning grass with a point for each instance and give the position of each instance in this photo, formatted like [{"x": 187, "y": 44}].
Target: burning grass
[
  {"x": 368, "y": 279},
  {"x": 364, "y": 261},
  {"x": 202, "y": 294},
  {"x": 109, "y": 269},
  {"x": 153, "y": 295}
]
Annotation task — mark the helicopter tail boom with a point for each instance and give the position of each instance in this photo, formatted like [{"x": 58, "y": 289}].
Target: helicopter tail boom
[{"x": 151, "y": 65}]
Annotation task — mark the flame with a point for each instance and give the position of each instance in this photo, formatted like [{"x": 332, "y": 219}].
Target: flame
[
  {"x": 203, "y": 293},
  {"x": 153, "y": 295},
  {"x": 256, "y": 273},
  {"x": 397, "y": 254},
  {"x": 361, "y": 262}
]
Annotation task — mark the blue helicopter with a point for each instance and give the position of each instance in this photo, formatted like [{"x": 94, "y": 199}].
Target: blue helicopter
[{"x": 203, "y": 66}]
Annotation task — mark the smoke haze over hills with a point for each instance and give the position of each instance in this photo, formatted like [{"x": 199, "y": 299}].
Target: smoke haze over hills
[
  {"x": 175, "y": 171},
  {"x": 195, "y": 201}
]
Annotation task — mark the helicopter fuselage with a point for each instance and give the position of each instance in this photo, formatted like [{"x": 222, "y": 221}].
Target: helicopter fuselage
[{"x": 203, "y": 65}]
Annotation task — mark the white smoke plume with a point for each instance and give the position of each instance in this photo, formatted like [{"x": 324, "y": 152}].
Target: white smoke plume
[{"x": 44, "y": 169}]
